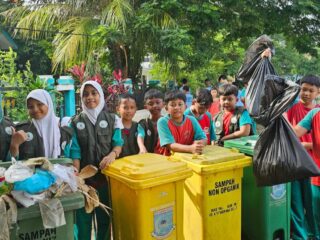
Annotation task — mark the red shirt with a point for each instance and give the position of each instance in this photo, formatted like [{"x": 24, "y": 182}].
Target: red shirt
[
  {"x": 182, "y": 134},
  {"x": 205, "y": 125},
  {"x": 316, "y": 145},
  {"x": 295, "y": 115},
  {"x": 214, "y": 108},
  {"x": 226, "y": 122}
]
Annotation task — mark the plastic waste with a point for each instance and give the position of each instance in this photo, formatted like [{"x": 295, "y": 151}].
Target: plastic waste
[
  {"x": 40, "y": 181},
  {"x": 17, "y": 172},
  {"x": 65, "y": 174}
]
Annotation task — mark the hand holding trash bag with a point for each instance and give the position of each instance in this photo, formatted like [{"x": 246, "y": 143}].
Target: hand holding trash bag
[{"x": 279, "y": 156}]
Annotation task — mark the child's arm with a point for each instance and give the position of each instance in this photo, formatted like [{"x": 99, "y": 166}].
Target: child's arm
[
  {"x": 196, "y": 147},
  {"x": 117, "y": 142},
  {"x": 213, "y": 136},
  {"x": 16, "y": 140},
  {"x": 140, "y": 139},
  {"x": 107, "y": 160},
  {"x": 303, "y": 127},
  {"x": 75, "y": 151},
  {"x": 142, "y": 148},
  {"x": 244, "y": 131}
]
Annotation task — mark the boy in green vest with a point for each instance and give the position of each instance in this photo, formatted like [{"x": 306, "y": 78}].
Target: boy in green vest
[
  {"x": 127, "y": 108},
  {"x": 148, "y": 139},
  {"x": 232, "y": 122}
]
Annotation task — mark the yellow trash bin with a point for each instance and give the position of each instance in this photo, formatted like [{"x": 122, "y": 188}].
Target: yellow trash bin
[
  {"x": 147, "y": 197},
  {"x": 212, "y": 196}
]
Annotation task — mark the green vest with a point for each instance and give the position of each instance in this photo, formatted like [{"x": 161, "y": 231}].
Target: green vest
[
  {"x": 234, "y": 124},
  {"x": 33, "y": 147},
  {"x": 130, "y": 144},
  {"x": 65, "y": 138},
  {"x": 95, "y": 141},
  {"x": 5, "y": 137},
  {"x": 151, "y": 136}
]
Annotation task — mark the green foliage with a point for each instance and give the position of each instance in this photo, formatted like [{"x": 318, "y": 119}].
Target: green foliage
[
  {"x": 21, "y": 82},
  {"x": 198, "y": 39}
]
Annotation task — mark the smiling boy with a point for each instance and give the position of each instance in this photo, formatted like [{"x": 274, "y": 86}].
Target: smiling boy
[
  {"x": 177, "y": 132},
  {"x": 232, "y": 122}
]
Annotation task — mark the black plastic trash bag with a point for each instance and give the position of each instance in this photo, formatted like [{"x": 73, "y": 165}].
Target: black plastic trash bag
[
  {"x": 252, "y": 58},
  {"x": 276, "y": 98},
  {"x": 279, "y": 156},
  {"x": 256, "y": 86}
]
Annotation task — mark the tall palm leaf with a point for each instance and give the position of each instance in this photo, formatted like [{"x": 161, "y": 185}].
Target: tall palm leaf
[{"x": 74, "y": 44}]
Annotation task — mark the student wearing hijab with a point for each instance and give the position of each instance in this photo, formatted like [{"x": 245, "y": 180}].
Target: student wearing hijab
[
  {"x": 39, "y": 137},
  {"x": 98, "y": 142},
  {"x": 5, "y": 133}
]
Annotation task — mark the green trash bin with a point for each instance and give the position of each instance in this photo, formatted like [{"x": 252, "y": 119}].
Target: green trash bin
[
  {"x": 265, "y": 210},
  {"x": 29, "y": 222},
  {"x": 30, "y": 226}
]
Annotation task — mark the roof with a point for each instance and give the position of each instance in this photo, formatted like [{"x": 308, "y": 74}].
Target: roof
[{"x": 6, "y": 41}]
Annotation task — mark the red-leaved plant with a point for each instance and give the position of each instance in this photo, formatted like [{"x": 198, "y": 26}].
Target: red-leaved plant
[
  {"x": 115, "y": 89},
  {"x": 78, "y": 73}
]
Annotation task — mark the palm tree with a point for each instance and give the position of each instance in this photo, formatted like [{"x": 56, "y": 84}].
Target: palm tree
[{"x": 81, "y": 28}]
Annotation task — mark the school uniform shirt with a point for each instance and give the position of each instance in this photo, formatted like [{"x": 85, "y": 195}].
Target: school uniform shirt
[
  {"x": 295, "y": 114},
  {"x": 312, "y": 122},
  {"x": 206, "y": 124},
  {"x": 214, "y": 108},
  {"x": 189, "y": 98},
  {"x": 130, "y": 144},
  {"x": 184, "y": 133},
  {"x": 148, "y": 131}
]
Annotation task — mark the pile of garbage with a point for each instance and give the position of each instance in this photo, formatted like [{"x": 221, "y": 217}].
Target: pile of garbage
[
  {"x": 38, "y": 181},
  {"x": 278, "y": 156}
]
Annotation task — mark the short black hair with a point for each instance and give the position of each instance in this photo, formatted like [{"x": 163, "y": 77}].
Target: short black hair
[
  {"x": 186, "y": 88},
  {"x": 222, "y": 76},
  {"x": 126, "y": 96},
  {"x": 311, "y": 79},
  {"x": 228, "y": 89},
  {"x": 204, "y": 97},
  {"x": 207, "y": 80},
  {"x": 153, "y": 93},
  {"x": 184, "y": 80},
  {"x": 174, "y": 95}
]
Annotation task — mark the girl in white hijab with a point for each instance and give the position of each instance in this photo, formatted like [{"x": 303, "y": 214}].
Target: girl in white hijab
[
  {"x": 43, "y": 118},
  {"x": 99, "y": 143}
]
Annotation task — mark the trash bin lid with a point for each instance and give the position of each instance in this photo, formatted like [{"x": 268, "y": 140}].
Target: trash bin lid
[
  {"x": 146, "y": 170},
  {"x": 214, "y": 159},
  {"x": 244, "y": 144}
]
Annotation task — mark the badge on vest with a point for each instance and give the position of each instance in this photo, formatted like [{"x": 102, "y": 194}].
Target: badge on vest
[
  {"x": 29, "y": 136},
  {"x": 8, "y": 130},
  {"x": 103, "y": 124},
  {"x": 149, "y": 132},
  {"x": 81, "y": 125},
  {"x": 218, "y": 124},
  {"x": 234, "y": 120}
]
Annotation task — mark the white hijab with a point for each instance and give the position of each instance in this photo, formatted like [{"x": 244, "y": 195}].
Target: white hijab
[
  {"x": 48, "y": 126},
  {"x": 92, "y": 113}
]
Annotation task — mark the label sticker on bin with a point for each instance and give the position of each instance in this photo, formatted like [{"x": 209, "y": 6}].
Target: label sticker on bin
[
  {"x": 278, "y": 191},
  {"x": 163, "y": 222}
]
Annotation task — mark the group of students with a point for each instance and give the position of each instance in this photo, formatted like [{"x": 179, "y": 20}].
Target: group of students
[{"x": 98, "y": 137}]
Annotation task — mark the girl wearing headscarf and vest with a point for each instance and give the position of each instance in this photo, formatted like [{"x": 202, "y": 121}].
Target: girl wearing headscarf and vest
[
  {"x": 99, "y": 143},
  {"x": 5, "y": 133},
  {"x": 39, "y": 137}
]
